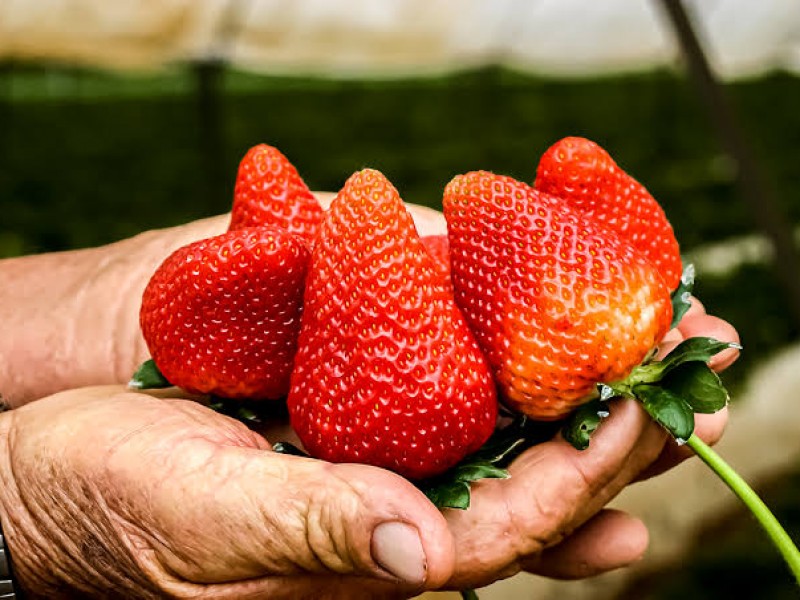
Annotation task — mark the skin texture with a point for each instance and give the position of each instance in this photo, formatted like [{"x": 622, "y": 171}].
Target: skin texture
[{"x": 108, "y": 493}]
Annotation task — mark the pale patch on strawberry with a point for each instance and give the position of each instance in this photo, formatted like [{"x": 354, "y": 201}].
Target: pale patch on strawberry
[{"x": 557, "y": 302}]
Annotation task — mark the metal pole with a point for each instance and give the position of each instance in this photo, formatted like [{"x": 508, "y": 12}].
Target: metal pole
[{"x": 756, "y": 188}]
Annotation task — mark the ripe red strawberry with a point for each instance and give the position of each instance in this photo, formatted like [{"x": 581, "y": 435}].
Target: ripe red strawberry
[
  {"x": 557, "y": 302},
  {"x": 270, "y": 192},
  {"x": 387, "y": 372},
  {"x": 581, "y": 172},
  {"x": 221, "y": 316},
  {"x": 439, "y": 249}
]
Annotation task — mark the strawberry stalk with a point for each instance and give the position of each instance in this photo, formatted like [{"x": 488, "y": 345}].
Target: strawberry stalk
[
  {"x": 672, "y": 391},
  {"x": 752, "y": 501}
]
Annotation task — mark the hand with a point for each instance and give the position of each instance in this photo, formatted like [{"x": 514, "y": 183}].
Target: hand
[
  {"x": 106, "y": 493},
  {"x": 152, "y": 497},
  {"x": 547, "y": 518}
]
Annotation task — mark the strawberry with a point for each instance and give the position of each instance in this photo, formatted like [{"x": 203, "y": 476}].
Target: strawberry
[
  {"x": 583, "y": 174},
  {"x": 221, "y": 316},
  {"x": 270, "y": 192},
  {"x": 557, "y": 302},
  {"x": 387, "y": 372},
  {"x": 439, "y": 249}
]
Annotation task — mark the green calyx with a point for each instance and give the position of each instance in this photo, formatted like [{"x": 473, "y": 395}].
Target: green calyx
[{"x": 671, "y": 390}]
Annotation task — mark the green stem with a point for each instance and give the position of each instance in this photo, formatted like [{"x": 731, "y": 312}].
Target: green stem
[
  {"x": 739, "y": 486},
  {"x": 469, "y": 594}
]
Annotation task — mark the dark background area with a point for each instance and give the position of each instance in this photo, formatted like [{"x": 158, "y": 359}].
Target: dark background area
[{"x": 87, "y": 158}]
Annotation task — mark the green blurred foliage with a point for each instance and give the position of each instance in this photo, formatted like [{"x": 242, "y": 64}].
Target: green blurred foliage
[{"x": 87, "y": 158}]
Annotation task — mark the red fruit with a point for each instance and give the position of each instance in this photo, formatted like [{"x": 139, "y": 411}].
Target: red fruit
[
  {"x": 439, "y": 249},
  {"x": 387, "y": 372},
  {"x": 582, "y": 173},
  {"x": 221, "y": 316},
  {"x": 557, "y": 302},
  {"x": 270, "y": 192}
]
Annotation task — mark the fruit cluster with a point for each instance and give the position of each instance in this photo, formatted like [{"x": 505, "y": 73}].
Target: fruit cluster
[{"x": 396, "y": 350}]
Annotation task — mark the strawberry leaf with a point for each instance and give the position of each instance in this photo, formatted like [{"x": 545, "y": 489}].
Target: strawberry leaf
[
  {"x": 453, "y": 494},
  {"x": 452, "y": 488},
  {"x": 668, "y": 409},
  {"x": 583, "y": 422},
  {"x": 698, "y": 385},
  {"x": 696, "y": 349},
  {"x": 681, "y": 296},
  {"x": 148, "y": 377}
]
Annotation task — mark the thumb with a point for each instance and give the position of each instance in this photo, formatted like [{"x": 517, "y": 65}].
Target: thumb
[{"x": 254, "y": 513}]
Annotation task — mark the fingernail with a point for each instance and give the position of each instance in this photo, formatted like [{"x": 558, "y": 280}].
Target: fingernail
[{"x": 397, "y": 548}]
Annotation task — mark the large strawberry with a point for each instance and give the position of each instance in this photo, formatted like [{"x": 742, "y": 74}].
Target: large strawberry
[
  {"x": 583, "y": 174},
  {"x": 270, "y": 192},
  {"x": 221, "y": 316},
  {"x": 557, "y": 302},
  {"x": 387, "y": 372}
]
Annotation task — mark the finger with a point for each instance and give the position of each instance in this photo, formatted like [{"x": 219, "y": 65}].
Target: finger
[
  {"x": 708, "y": 427},
  {"x": 696, "y": 308},
  {"x": 610, "y": 540},
  {"x": 427, "y": 220},
  {"x": 277, "y": 517},
  {"x": 325, "y": 198},
  {"x": 668, "y": 343},
  {"x": 553, "y": 489},
  {"x": 713, "y": 327}
]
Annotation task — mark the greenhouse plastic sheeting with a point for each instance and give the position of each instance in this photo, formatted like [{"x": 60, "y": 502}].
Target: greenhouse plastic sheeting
[{"x": 573, "y": 38}]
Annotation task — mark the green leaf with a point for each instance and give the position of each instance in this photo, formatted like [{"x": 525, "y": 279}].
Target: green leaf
[
  {"x": 696, "y": 349},
  {"x": 680, "y": 297},
  {"x": 452, "y": 488},
  {"x": 479, "y": 470},
  {"x": 512, "y": 440},
  {"x": 453, "y": 494},
  {"x": 583, "y": 422},
  {"x": 669, "y": 410},
  {"x": 698, "y": 385},
  {"x": 700, "y": 349},
  {"x": 147, "y": 376}
]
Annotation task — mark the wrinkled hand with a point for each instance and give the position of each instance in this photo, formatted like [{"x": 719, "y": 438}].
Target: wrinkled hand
[
  {"x": 548, "y": 518},
  {"x": 154, "y": 496},
  {"x": 107, "y": 493},
  {"x": 123, "y": 495}
]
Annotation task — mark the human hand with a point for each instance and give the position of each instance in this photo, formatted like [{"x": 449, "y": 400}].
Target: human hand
[
  {"x": 112, "y": 494},
  {"x": 547, "y": 518},
  {"x": 138, "y": 496}
]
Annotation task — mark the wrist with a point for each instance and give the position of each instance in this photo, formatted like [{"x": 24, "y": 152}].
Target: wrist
[{"x": 70, "y": 319}]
